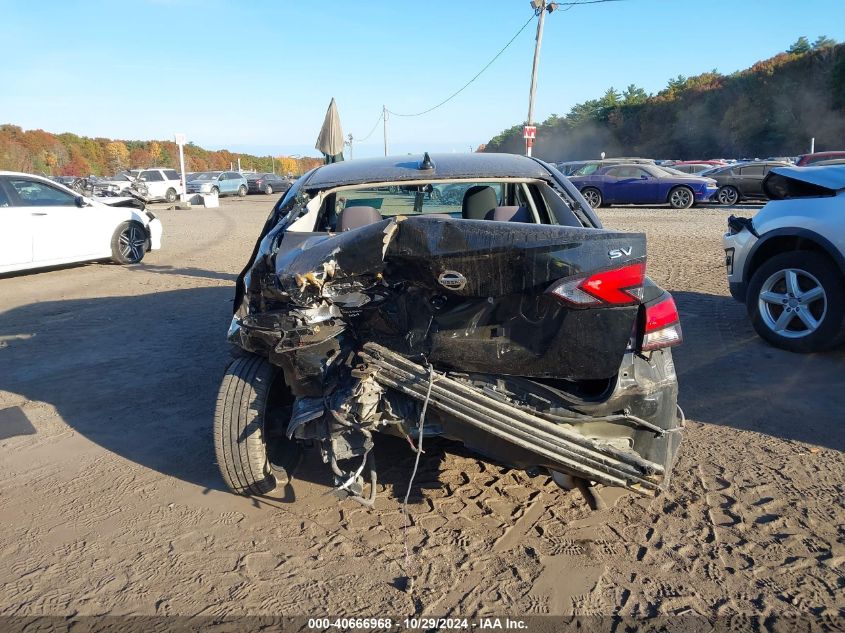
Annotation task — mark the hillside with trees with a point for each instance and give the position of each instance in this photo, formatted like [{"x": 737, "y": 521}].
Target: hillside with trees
[
  {"x": 770, "y": 109},
  {"x": 40, "y": 152}
]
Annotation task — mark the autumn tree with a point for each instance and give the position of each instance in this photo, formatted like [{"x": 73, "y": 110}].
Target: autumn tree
[{"x": 118, "y": 156}]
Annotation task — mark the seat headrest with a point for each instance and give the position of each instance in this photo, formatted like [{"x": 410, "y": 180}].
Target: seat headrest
[
  {"x": 509, "y": 214},
  {"x": 356, "y": 217},
  {"x": 478, "y": 201}
]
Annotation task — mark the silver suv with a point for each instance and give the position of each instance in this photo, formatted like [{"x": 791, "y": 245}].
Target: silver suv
[{"x": 787, "y": 263}]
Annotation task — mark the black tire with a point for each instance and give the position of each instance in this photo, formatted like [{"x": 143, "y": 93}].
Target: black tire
[
  {"x": 215, "y": 191},
  {"x": 592, "y": 196},
  {"x": 129, "y": 243},
  {"x": 170, "y": 196},
  {"x": 242, "y": 191},
  {"x": 239, "y": 421},
  {"x": 727, "y": 195},
  {"x": 795, "y": 335},
  {"x": 680, "y": 198},
  {"x": 268, "y": 190}
]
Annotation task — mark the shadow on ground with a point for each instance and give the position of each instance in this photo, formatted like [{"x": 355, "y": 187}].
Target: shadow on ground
[
  {"x": 138, "y": 375},
  {"x": 729, "y": 376}
]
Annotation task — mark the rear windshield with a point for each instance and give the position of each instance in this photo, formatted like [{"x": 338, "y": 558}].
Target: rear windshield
[{"x": 531, "y": 202}]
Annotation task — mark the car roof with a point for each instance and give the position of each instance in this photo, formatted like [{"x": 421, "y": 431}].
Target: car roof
[{"x": 446, "y": 167}]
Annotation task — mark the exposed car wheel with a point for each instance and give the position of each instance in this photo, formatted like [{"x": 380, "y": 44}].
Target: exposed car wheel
[
  {"x": 170, "y": 196},
  {"x": 252, "y": 451},
  {"x": 215, "y": 191},
  {"x": 727, "y": 195},
  {"x": 241, "y": 191},
  {"x": 681, "y": 198},
  {"x": 268, "y": 189},
  {"x": 129, "y": 243},
  {"x": 796, "y": 301},
  {"x": 592, "y": 196}
]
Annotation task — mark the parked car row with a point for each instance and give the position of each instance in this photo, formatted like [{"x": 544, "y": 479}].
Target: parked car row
[{"x": 679, "y": 183}]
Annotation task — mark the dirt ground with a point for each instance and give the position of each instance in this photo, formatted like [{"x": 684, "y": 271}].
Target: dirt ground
[{"x": 111, "y": 503}]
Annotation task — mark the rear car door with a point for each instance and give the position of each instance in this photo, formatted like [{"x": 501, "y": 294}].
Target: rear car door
[
  {"x": 173, "y": 180},
  {"x": 751, "y": 180},
  {"x": 233, "y": 180},
  {"x": 15, "y": 231}
]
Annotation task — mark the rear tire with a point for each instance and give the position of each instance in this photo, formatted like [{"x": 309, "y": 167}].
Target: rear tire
[
  {"x": 785, "y": 325},
  {"x": 268, "y": 190},
  {"x": 242, "y": 191},
  {"x": 170, "y": 196},
  {"x": 215, "y": 191},
  {"x": 592, "y": 196},
  {"x": 129, "y": 243},
  {"x": 239, "y": 421}
]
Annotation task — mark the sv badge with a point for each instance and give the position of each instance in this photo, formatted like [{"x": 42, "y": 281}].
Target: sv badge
[{"x": 619, "y": 252}]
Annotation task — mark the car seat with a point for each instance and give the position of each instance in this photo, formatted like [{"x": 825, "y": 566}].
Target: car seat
[
  {"x": 356, "y": 217},
  {"x": 479, "y": 200}
]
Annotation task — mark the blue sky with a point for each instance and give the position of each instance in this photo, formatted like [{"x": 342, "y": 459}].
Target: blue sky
[{"x": 258, "y": 76}]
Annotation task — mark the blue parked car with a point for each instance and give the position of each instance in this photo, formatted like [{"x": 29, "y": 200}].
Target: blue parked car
[
  {"x": 223, "y": 183},
  {"x": 643, "y": 184}
]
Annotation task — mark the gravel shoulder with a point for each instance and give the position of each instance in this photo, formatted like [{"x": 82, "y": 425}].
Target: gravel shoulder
[{"x": 111, "y": 502}]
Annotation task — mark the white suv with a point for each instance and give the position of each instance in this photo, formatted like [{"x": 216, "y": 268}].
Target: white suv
[
  {"x": 787, "y": 263},
  {"x": 162, "y": 184}
]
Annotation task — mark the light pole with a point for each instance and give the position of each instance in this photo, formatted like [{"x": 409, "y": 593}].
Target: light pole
[{"x": 540, "y": 8}]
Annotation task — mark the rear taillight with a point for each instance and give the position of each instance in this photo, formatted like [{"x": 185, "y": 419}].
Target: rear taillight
[
  {"x": 662, "y": 325},
  {"x": 616, "y": 287}
]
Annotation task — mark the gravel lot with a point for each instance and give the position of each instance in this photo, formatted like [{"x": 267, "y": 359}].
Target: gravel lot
[{"x": 112, "y": 503}]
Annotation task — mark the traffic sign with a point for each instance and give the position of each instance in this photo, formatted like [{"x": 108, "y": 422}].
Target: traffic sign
[{"x": 529, "y": 132}]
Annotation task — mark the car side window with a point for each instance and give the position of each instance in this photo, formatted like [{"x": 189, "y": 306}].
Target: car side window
[
  {"x": 4, "y": 199},
  {"x": 616, "y": 172},
  {"x": 752, "y": 170},
  {"x": 233, "y": 175},
  {"x": 32, "y": 193},
  {"x": 221, "y": 177},
  {"x": 639, "y": 173},
  {"x": 171, "y": 174},
  {"x": 151, "y": 176}
]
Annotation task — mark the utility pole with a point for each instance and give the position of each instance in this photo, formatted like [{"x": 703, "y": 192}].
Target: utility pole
[
  {"x": 384, "y": 117},
  {"x": 540, "y": 7},
  {"x": 349, "y": 143}
]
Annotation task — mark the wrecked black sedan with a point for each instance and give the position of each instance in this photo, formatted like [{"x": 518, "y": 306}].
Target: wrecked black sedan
[{"x": 508, "y": 320}]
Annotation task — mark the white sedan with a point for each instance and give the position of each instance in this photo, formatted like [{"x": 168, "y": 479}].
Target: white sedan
[{"x": 43, "y": 223}]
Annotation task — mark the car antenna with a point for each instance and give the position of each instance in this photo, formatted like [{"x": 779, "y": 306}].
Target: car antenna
[{"x": 426, "y": 163}]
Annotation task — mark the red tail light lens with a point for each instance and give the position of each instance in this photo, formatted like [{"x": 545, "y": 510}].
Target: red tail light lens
[
  {"x": 616, "y": 287},
  {"x": 662, "y": 325}
]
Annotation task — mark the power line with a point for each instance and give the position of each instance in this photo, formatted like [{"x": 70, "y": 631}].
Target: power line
[
  {"x": 361, "y": 140},
  {"x": 466, "y": 85}
]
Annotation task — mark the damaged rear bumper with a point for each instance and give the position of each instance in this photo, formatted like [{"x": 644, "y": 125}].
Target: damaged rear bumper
[{"x": 554, "y": 444}]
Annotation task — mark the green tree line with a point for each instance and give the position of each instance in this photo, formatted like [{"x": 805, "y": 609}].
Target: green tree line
[
  {"x": 770, "y": 109},
  {"x": 40, "y": 152}
]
